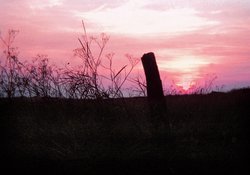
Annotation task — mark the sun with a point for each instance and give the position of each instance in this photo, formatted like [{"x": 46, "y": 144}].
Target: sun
[
  {"x": 184, "y": 70},
  {"x": 185, "y": 82}
]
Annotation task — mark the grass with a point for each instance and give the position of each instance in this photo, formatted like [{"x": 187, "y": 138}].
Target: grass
[{"x": 208, "y": 135}]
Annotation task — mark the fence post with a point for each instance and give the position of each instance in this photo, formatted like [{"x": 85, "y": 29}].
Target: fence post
[{"x": 156, "y": 99}]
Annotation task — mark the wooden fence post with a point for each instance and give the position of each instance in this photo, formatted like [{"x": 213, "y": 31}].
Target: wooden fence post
[{"x": 156, "y": 99}]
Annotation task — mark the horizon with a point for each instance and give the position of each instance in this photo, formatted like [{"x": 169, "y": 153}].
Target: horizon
[{"x": 193, "y": 41}]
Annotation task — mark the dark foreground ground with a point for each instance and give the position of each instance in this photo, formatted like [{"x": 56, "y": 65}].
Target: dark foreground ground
[{"x": 209, "y": 135}]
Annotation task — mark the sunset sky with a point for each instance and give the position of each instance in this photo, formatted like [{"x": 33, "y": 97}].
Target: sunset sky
[{"x": 193, "y": 40}]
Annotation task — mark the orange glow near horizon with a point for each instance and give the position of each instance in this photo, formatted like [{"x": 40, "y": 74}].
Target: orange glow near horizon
[{"x": 191, "y": 39}]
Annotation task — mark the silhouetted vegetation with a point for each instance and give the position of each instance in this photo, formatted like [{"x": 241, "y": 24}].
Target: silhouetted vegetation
[
  {"x": 67, "y": 120},
  {"x": 41, "y": 79},
  {"x": 209, "y": 134},
  {"x": 95, "y": 78}
]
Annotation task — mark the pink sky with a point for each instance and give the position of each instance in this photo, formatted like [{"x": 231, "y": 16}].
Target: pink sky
[{"x": 192, "y": 40}]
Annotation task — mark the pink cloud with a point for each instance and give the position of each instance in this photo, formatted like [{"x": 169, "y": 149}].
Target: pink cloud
[{"x": 52, "y": 28}]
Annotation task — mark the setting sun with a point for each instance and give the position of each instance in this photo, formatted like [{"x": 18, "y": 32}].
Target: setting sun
[
  {"x": 187, "y": 69},
  {"x": 119, "y": 86},
  {"x": 185, "y": 82},
  {"x": 189, "y": 38}
]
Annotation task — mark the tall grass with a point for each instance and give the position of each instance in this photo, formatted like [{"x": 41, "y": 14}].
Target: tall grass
[
  {"x": 41, "y": 79},
  {"x": 210, "y": 129}
]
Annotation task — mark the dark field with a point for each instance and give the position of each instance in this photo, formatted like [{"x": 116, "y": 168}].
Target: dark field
[{"x": 209, "y": 135}]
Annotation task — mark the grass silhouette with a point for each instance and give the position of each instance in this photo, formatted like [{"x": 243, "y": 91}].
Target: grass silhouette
[{"x": 209, "y": 134}]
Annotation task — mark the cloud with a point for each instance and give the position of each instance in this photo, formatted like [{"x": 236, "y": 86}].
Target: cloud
[
  {"x": 133, "y": 19},
  {"x": 214, "y": 32},
  {"x": 36, "y": 4}
]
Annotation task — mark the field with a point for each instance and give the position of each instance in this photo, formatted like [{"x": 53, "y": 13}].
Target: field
[{"x": 209, "y": 134}]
